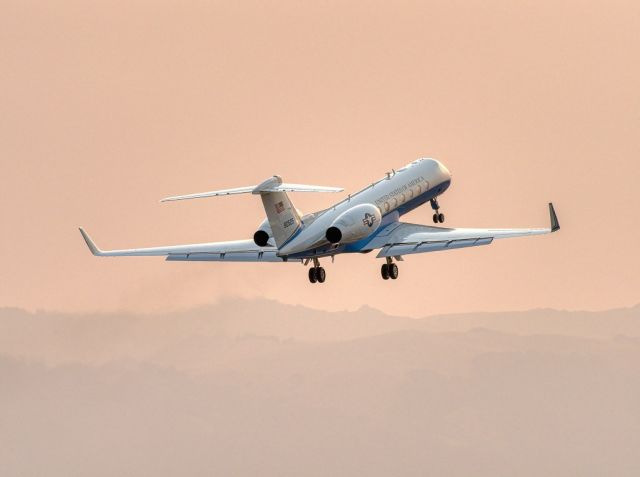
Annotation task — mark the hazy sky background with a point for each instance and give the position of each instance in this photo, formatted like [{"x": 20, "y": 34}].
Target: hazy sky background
[{"x": 109, "y": 106}]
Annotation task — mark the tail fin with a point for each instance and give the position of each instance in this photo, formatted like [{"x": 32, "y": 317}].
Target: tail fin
[{"x": 282, "y": 215}]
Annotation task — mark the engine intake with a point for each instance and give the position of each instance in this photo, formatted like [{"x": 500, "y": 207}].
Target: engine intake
[{"x": 354, "y": 224}]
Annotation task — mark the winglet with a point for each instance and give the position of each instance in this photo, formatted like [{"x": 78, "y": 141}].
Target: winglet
[
  {"x": 92, "y": 246},
  {"x": 555, "y": 225}
]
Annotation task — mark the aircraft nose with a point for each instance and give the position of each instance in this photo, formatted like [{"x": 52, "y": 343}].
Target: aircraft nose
[
  {"x": 443, "y": 169},
  {"x": 439, "y": 169}
]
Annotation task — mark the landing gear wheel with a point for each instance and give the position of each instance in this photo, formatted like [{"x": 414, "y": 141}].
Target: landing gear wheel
[
  {"x": 393, "y": 271},
  {"x": 437, "y": 216},
  {"x": 321, "y": 275},
  {"x": 313, "y": 277},
  {"x": 384, "y": 271}
]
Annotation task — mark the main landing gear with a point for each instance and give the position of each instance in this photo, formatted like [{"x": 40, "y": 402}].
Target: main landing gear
[
  {"x": 438, "y": 217},
  {"x": 389, "y": 270},
  {"x": 317, "y": 273}
]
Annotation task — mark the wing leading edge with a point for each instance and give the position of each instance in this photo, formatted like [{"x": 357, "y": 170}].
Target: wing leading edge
[
  {"x": 233, "y": 251},
  {"x": 399, "y": 238}
]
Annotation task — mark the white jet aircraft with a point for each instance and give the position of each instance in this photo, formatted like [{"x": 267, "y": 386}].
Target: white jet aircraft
[{"x": 365, "y": 221}]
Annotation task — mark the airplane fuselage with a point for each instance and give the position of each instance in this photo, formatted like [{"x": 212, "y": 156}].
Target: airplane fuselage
[{"x": 394, "y": 195}]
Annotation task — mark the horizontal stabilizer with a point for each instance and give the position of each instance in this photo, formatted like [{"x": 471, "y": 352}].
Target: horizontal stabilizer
[
  {"x": 273, "y": 184},
  {"x": 213, "y": 193},
  {"x": 300, "y": 188}
]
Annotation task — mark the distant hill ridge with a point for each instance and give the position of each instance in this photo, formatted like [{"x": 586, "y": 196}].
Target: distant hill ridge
[{"x": 60, "y": 337}]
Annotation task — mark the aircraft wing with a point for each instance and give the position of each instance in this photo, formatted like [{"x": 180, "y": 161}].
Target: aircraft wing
[
  {"x": 398, "y": 238},
  {"x": 234, "y": 251}
]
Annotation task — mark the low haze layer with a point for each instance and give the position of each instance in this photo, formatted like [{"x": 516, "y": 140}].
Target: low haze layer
[{"x": 246, "y": 388}]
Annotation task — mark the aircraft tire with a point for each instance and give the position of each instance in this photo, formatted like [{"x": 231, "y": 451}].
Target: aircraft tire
[
  {"x": 313, "y": 276},
  {"x": 393, "y": 271},
  {"x": 441, "y": 218},
  {"x": 321, "y": 275},
  {"x": 435, "y": 218},
  {"x": 384, "y": 271}
]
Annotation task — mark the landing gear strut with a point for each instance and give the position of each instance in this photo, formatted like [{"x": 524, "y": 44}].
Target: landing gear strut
[
  {"x": 438, "y": 217},
  {"x": 317, "y": 273},
  {"x": 389, "y": 270}
]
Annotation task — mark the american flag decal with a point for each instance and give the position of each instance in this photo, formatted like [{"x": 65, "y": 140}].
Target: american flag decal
[{"x": 279, "y": 207}]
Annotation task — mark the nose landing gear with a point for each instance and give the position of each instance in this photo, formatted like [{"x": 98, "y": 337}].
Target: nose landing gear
[
  {"x": 438, "y": 217},
  {"x": 389, "y": 270}
]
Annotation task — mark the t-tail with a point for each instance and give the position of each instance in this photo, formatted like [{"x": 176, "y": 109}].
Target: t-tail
[{"x": 283, "y": 217}]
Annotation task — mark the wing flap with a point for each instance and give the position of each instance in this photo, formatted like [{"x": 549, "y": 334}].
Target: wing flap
[
  {"x": 248, "y": 256},
  {"x": 423, "y": 247}
]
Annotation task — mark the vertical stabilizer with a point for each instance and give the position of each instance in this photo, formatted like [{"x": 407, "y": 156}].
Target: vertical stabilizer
[{"x": 282, "y": 215}]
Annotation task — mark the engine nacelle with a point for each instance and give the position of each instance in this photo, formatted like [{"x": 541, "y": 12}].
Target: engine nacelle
[
  {"x": 263, "y": 234},
  {"x": 354, "y": 224}
]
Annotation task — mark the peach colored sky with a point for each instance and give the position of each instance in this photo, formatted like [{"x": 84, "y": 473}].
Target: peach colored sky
[{"x": 108, "y": 107}]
